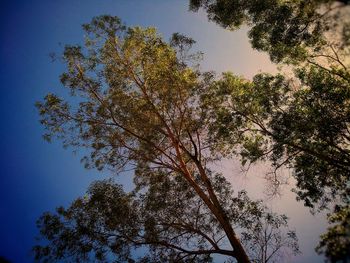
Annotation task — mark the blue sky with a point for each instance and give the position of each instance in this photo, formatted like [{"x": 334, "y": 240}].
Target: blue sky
[{"x": 37, "y": 176}]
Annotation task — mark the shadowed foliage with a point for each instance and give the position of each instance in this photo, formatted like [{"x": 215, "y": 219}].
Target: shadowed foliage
[
  {"x": 299, "y": 122},
  {"x": 137, "y": 106},
  {"x": 290, "y": 31},
  {"x": 163, "y": 220}
]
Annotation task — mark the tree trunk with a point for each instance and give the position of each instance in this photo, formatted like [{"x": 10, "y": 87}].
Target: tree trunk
[{"x": 214, "y": 206}]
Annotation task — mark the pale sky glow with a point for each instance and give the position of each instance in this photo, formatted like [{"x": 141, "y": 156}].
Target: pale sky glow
[
  {"x": 37, "y": 176},
  {"x": 308, "y": 227}
]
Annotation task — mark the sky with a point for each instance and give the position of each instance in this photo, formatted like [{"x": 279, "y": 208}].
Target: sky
[{"x": 37, "y": 176}]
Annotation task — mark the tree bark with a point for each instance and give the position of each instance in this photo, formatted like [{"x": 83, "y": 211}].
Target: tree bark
[{"x": 214, "y": 205}]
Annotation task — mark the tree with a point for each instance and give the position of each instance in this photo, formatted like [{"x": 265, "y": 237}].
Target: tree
[
  {"x": 299, "y": 122},
  {"x": 266, "y": 119},
  {"x": 290, "y": 32},
  {"x": 163, "y": 220},
  {"x": 139, "y": 108},
  {"x": 268, "y": 240},
  {"x": 335, "y": 242}
]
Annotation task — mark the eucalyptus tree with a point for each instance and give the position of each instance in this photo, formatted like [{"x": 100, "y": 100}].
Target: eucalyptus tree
[
  {"x": 304, "y": 130},
  {"x": 137, "y": 106},
  {"x": 307, "y": 129},
  {"x": 301, "y": 121},
  {"x": 162, "y": 220},
  {"x": 289, "y": 31},
  {"x": 269, "y": 240}
]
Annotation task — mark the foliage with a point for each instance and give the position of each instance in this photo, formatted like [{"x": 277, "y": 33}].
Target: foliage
[
  {"x": 137, "y": 106},
  {"x": 268, "y": 119},
  {"x": 291, "y": 31},
  {"x": 304, "y": 129},
  {"x": 335, "y": 242},
  {"x": 299, "y": 122},
  {"x": 164, "y": 219},
  {"x": 268, "y": 241}
]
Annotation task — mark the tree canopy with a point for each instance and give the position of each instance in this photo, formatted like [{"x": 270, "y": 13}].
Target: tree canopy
[
  {"x": 163, "y": 220},
  {"x": 138, "y": 105},
  {"x": 290, "y": 31},
  {"x": 299, "y": 122}
]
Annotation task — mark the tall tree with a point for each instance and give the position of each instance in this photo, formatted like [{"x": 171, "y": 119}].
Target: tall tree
[
  {"x": 137, "y": 106},
  {"x": 305, "y": 129},
  {"x": 163, "y": 220},
  {"x": 300, "y": 122}
]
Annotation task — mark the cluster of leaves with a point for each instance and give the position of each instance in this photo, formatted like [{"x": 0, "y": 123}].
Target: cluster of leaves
[
  {"x": 163, "y": 220},
  {"x": 299, "y": 122},
  {"x": 139, "y": 107},
  {"x": 287, "y": 30},
  {"x": 305, "y": 129},
  {"x": 335, "y": 242},
  {"x": 129, "y": 83},
  {"x": 140, "y": 104}
]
